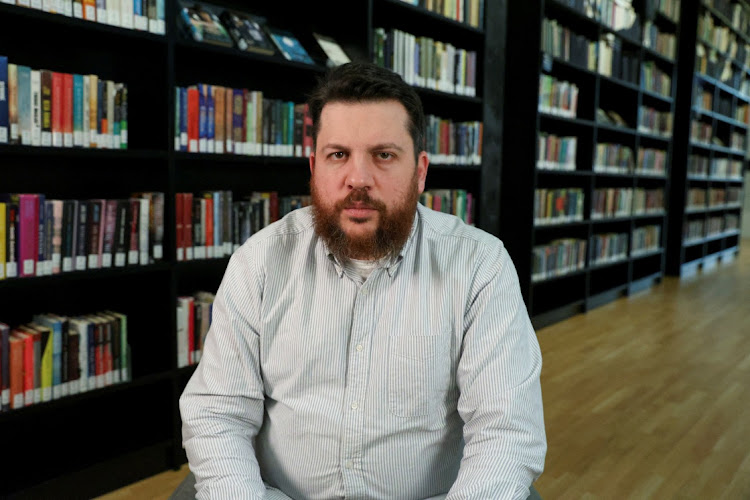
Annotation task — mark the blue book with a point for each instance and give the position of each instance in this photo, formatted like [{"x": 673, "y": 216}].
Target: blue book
[
  {"x": 160, "y": 14},
  {"x": 210, "y": 118},
  {"x": 78, "y": 110},
  {"x": 289, "y": 46},
  {"x": 4, "y": 111},
  {"x": 218, "y": 226},
  {"x": 183, "y": 119},
  {"x": 24, "y": 104},
  {"x": 202, "y": 120}
]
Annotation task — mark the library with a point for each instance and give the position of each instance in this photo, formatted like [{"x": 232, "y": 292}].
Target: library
[{"x": 604, "y": 142}]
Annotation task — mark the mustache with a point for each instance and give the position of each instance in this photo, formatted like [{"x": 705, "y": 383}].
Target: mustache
[{"x": 360, "y": 198}]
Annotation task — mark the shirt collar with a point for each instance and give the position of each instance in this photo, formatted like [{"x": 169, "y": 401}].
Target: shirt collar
[{"x": 392, "y": 263}]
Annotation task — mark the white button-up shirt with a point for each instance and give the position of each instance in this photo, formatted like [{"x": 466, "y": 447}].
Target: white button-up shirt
[{"x": 420, "y": 382}]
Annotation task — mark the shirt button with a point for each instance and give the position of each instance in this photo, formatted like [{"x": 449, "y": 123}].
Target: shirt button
[
  {"x": 364, "y": 292},
  {"x": 348, "y": 464},
  {"x": 360, "y": 347},
  {"x": 355, "y": 406}
]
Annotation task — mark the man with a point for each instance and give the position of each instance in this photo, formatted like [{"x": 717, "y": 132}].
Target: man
[{"x": 367, "y": 347}]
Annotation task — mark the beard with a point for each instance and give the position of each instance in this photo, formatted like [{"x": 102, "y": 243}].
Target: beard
[{"x": 388, "y": 238}]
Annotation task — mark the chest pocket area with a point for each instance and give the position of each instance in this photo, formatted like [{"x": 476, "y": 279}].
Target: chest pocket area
[{"x": 418, "y": 373}]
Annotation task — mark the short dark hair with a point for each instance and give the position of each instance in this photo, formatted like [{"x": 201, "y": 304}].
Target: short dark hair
[{"x": 367, "y": 82}]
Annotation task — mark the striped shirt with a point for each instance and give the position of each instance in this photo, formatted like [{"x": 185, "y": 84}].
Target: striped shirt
[{"x": 420, "y": 382}]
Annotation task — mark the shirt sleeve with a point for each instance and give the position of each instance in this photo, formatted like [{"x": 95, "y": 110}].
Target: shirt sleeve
[
  {"x": 500, "y": 398},
  {"x": 223, "y": 403}
]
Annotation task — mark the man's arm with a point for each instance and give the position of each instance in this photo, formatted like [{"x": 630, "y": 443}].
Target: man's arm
[
  {"x": 222, "y": 405},
  {"x": 498, "y": 379}
]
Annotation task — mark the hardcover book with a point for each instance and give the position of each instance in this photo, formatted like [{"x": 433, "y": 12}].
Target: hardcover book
[
  {"x": 289, "y": 46},
  {"x": 203, "y": 25},
  {"x": 247, "y": 32}
]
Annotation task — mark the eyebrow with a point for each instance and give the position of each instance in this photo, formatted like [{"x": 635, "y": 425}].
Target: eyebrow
[{"x": 376, "y": 147}]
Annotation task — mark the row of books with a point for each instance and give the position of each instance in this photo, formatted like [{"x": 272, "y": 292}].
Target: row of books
[
  {"x": 50, "y": 108},
  {"x": 142, "y": 15},
  {"x": 564, "y": 256},
  {"x": 623, "y": 202},
  {"x": 723, "y": 39},
  {"x": 653, "y": 121},
  {"x": 561, "y": 42},
  {"x": 247, "y": 32},
  {"x": 606, "y": 248},
  {"x": 651, "y": 162},
  {"x": 737, "y": 141},
  {"x": 614, "y": 158},
  {"x": 616, "y": 62},
  {"x": 556, "y": 153},
  {"x": 669, "y": 8},
  {"x": 742, "y": 114},
  {"x": 213, "y": 224},
  {"x": 215, "y": 119},
  {"x": 721, "y": 168},
  {"x": 662, "y": 42},
  {"x": 703, "y": 98},
  {"x": 56, "y": 356},
  {"x": 466, "y": 11},
  {"x": 737, "y": 13},
  {"x": 558, "y": 206},
  {"x": 654, "y": 79},
  {"x": 457, "y": 202},
  {"x": 701, "y": 131},
  {"x": 698, "y": 229},
  {"x": 699, "y": 198},
  {"x": 194, "y": 314},
  {"x": 457, "y": 143},
  {"x": 557, "y": 97},
  {"x": 40, "y": 236},
  {"x": 425, "y": 62}
]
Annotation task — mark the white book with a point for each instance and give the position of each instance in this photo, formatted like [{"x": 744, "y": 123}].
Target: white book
[
  {"x": 143, "y": 241},
  {"x": 126, "y": 14},
  {"x": 78, "y": 10},
  {"x": 182, "y": 333},
  {"x": 36, "y": 108},
  {"x": 67, "y": 8},
  {"x": 113, "y": 12}
]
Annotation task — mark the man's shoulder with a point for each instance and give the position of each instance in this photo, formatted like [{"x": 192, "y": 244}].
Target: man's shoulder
[{"x": 290, "y": 229}]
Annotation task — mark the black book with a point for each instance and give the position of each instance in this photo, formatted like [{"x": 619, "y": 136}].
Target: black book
[
  {"x": 247, "y": 31},
  {"x": 81, "y": 234}
]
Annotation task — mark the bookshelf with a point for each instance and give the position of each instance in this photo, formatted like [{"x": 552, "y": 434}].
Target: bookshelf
[
  {"x": 708, "y": 176},
  {"x": 100, "y": 440},
  {"x": 624, "y": 77}
]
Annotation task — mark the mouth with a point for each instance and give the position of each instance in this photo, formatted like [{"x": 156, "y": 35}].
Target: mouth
[{"x": 359, "y": 211}]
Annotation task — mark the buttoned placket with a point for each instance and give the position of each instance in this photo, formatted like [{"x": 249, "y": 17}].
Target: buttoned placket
[{"x": 360, "y": 342}]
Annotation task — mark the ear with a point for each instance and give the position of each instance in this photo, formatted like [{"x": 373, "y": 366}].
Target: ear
[
  {"x": 312, "y": 163},
  {"x": 423, "y": 162}
]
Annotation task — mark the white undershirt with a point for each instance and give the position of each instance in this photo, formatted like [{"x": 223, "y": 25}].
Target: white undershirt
[{"x": 363, "y": 268}]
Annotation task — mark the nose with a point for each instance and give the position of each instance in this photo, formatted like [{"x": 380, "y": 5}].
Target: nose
[{"x": 360, "y": 174}]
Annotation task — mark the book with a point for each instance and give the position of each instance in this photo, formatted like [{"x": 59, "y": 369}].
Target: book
[
  {"x": 288, "y": 45},
  {"x": 202, "y": 25},
  {"x": 4, "y": 108},
  {"x": 4, "y": 367},
  {"x": 336, "y": 55},
  {"x": 247, "y": 32},
  {"x": 13, "y": 104}
]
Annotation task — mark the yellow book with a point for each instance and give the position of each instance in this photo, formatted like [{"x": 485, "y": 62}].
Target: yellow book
[
  {"x": 2, "y": 241},
  {"x": 93, "y": 110},
  {"x": 45, "y": 368}
]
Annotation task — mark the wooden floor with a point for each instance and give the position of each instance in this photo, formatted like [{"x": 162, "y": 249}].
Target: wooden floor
[{"x": 645, "y": 398}]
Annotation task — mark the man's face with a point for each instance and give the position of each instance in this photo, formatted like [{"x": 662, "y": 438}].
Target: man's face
[{"x": 365, "y": 184}]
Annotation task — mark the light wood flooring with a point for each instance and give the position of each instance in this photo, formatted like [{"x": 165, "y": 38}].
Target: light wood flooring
[{"x": 645, "y": 398}]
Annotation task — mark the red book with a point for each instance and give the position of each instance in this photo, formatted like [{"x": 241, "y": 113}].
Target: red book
[
  {"x": 193, "y": 117},
  {"x": 28, "y": 234},
  {"x": 179, "y": 204},
  {"x": 28, "y": 365},
  {"x": 307, "y": 142},
  {"x": 274, "y": 206},
  {"x": 67, "y": 110},
  {"x": 57, "y": 109},
  {"x": 187, "y": 225},
  {"x": 16, "y": 361}
]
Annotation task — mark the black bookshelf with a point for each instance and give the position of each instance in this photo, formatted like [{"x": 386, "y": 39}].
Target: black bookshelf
[
  {"x": 708, "y": 97},
  {"x": 556, "y": 297},
  {"x": 106, "y": 438}
]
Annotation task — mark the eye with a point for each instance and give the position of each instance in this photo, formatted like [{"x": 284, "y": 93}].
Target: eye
[
  {"x": 384, "y": 155},
  {"x": 338, "y": 155}
]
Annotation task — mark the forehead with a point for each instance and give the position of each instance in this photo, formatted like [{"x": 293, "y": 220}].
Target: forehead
[{"x": 371, "y": 120}]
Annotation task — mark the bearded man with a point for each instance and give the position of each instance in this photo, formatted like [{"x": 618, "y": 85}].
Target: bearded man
[{"x": 366, "y": 346}]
